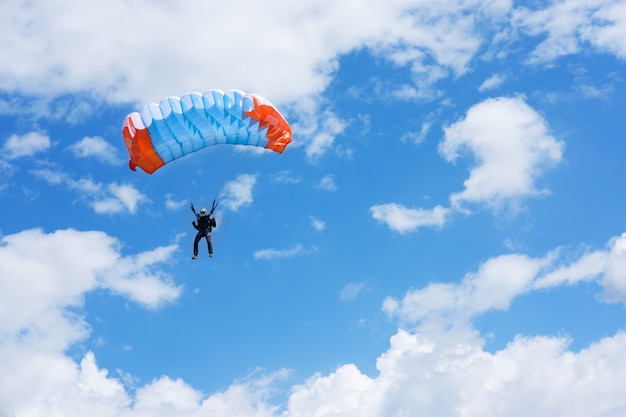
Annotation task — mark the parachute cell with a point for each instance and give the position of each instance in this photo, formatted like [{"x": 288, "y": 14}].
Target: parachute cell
[{"x": 176, "y": 126}]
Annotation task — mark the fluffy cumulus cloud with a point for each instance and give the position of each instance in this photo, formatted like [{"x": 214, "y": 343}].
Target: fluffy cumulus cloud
[
  {"x": 118, "y": 198},
  {"x": 96, "y": 147},
  {"x": 51, "y": 275},
  {"x": 85, "y": 389},
  {"x": 432, "y": 366},
  {"x": 99, "y": 52},
  {"x": 511, "y": 146},
  {"x": 436, "y": 363},
  {"x": 306, "y": 38},
  {"x": 422, "y": 374},
  {"x": 43, "y": 285}
]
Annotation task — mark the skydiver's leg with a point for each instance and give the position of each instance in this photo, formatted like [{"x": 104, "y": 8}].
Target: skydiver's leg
[
  {"x": 195, "y": 244},
  {"x": 209, "y": 244}
]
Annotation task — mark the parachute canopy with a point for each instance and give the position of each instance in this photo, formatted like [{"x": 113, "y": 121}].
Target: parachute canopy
[{"x": 180, "y": 126}]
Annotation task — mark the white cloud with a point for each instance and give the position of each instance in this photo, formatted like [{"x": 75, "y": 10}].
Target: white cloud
[
  {"x": 511, "y": 147},
  {"x": 438, "y": 368},
  {"x": 268, "y": 254},
  {"x": 317, "y": 224},
  {"x": 607, "y": 27},
  {"x": 491, "y": 83},
  {"x": 586, "y": 268},
  {"x": 422, "y": 373},
  {"x": 327, "y": 183},
  {"x": 614, "y": 277},
  {"x": 496, "y": 283},
  {"x": 172, "y": 204},
  {"x": 238, "y": 193},
  {"x": 306, "y": 38},
  {"x": 607, "y": 266},
  {"x": 110, "y": 199},
  {"x": 499, "y": 280},
  {"x": 430, "y": 375},
  {"x": 403, "y": 219},
  {"x": 441, "y": 368},
  {"x": 135, "y": 278},
  {"x": 39, "y": 384},
  {"x": 566, "y": 27},
  {"x": 287, "y": 177},
  {"x": 321, "y": 132},
  {"x": 351, "y": 291},
  {"x": 96, "y": 147},
  {"x": 433, "y": 40},
  {"x": 416, "y": 137},
  {"x": 438, "y": 30},
  {"x": 591, "y": 91},
  {"x": 57, "y": 271},
  {"x": 125, "y": 197},
  {"x": 45, "y": 277},
  {"x": 346, "y": 392},
  {"x": 26, "y": 145}
]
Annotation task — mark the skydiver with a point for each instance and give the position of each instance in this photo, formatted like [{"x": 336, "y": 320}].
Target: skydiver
[{"x": 205, "y": 224}]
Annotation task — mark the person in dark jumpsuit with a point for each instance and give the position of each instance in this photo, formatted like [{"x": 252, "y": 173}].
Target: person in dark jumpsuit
[{"x": 205, "y": 224}]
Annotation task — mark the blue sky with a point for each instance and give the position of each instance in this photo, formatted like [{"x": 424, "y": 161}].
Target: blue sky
[{"x": 444, "y": 236}]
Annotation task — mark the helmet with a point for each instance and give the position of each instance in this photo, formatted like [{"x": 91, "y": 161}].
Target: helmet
[{"x": 203, "y": 211}]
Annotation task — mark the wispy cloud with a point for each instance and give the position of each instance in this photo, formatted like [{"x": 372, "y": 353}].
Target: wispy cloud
[
  {"x": 568, "y": 27},
  {"x": 174, "y": 205},
  {"x": 287, "y": 177},
  {"x": 105, "y": 199},
  {"x": 501, "y": 279},
  {"x": 327, "y": 183},
  {"x": 321, "y": 133},
  {"x": 268, "y": 254},
  {"x": 416, "y": 137},
  {"x": 351, "y": 291},
  {"x": 238, "y": 193},
  {"x": 317, "y": 223},
  {"x": 492, "y": 82},
  {"x": 403, "y": 219}
]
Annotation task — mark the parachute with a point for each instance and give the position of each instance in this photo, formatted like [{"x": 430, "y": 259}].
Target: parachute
[{"x": 177, "y": 127}]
